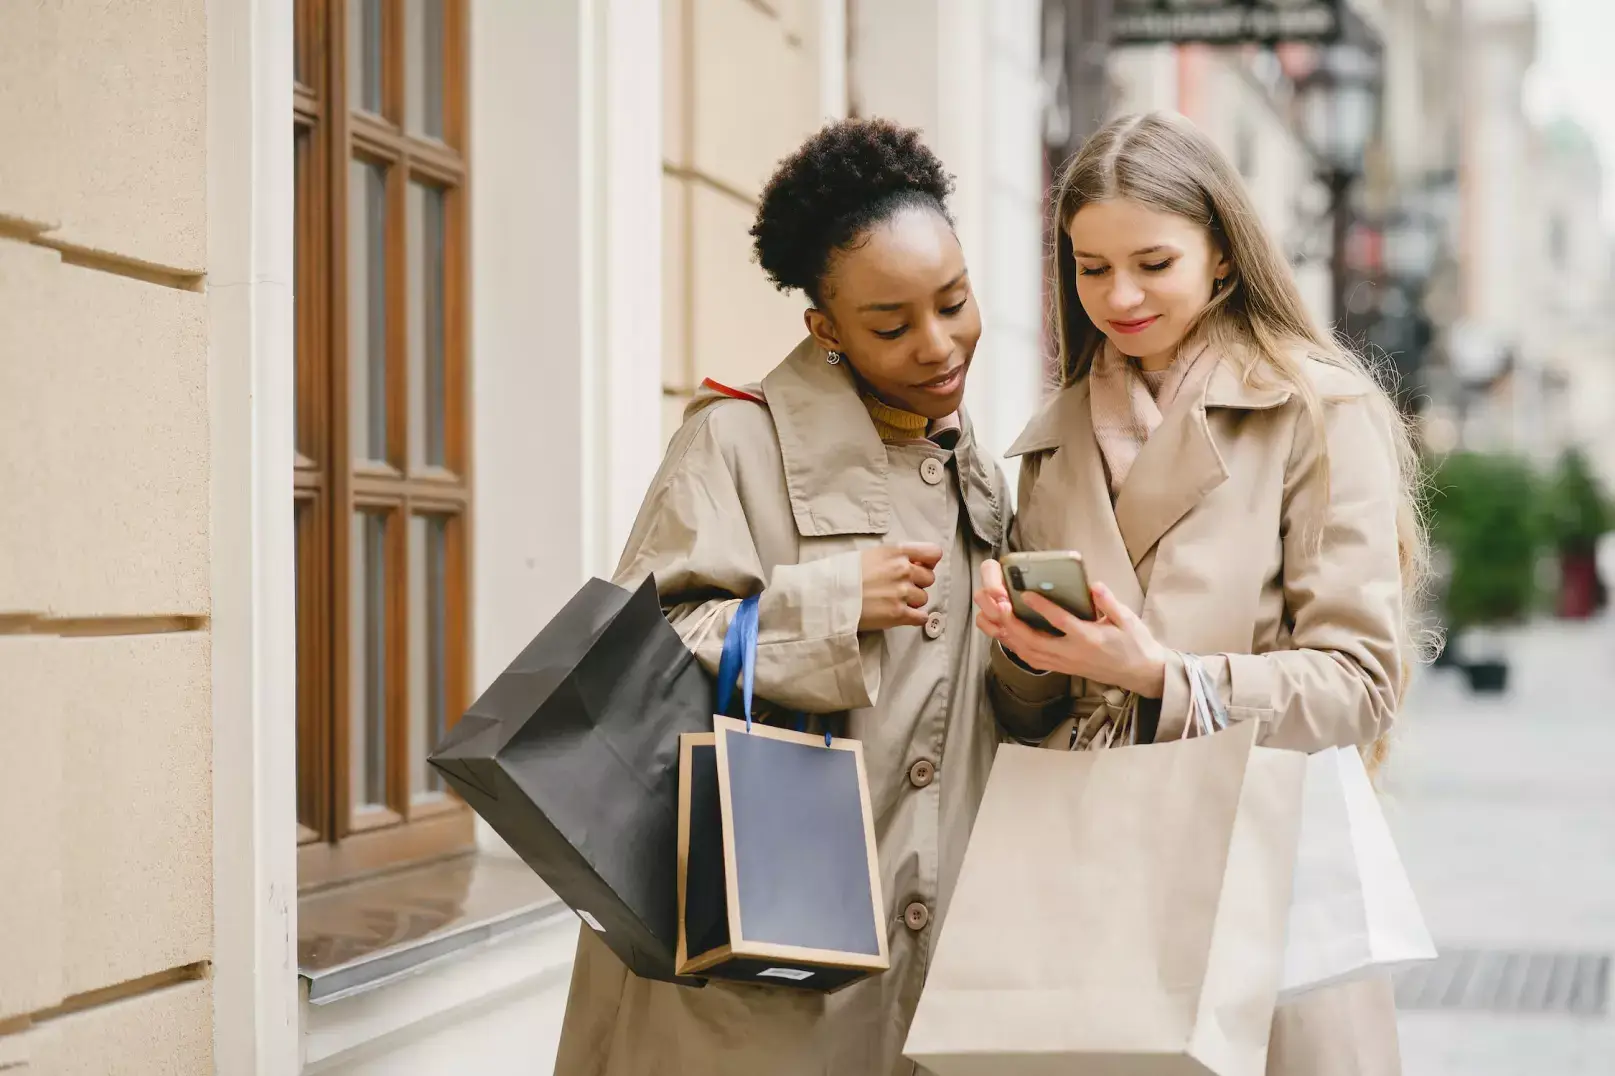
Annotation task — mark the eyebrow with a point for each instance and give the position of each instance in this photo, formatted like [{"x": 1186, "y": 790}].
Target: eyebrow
[
  {"x": 1157, "y": 249},
  {"x": 887, "y": 307}
]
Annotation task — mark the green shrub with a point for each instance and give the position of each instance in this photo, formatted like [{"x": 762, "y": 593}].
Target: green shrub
[
  {"x": 1577, "y": 512},
  {"x": 1487, "y": 512}
]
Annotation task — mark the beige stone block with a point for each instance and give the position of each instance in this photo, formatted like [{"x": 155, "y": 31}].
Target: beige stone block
[
  {"x": 125, "y": 155},
  {"x": 128, "y": 447},
  {"x": 30, "y": 125},
  {"x": 675, "y": 80},
  {"x": 167, "y": 1032},
  {"x": 742, "y": 325},
  {"x": 675, "y": 283},
  {"x": 137, "y": 834},
  {"x": 31, "y": 1052},
  {"x": 756, "y": 93},
  {"x": 30, "y": 833},
  {"x": 26, "y": 361}
]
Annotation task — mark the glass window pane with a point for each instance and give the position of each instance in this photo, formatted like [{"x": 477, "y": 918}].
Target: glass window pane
[
  {"x": 367, "y": 310},
  {"x": 364, "y": 55},
  {"x": 423, "y": 67},
  {"x": 427, "y": 407},
  {"x": 307, "y": 752},
  {"x": 367, "y": 661},
  {"x": 428, "y": 646}
]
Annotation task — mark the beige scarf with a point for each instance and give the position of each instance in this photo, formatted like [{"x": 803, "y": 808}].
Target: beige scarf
[{"x": 1128, "y": 403}]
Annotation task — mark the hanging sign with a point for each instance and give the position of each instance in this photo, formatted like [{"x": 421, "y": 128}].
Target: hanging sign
[{"x": 1226, "y": 22}]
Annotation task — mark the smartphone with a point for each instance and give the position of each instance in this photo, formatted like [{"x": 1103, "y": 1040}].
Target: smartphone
[{"x": 1058, "y": 576}]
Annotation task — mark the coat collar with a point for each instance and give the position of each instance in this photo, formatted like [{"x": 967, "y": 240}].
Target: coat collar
[
  {"x": 1226, "y": 387},
  {"x": 1178, "y": 465},
  {"x": 835, "y": 463}
]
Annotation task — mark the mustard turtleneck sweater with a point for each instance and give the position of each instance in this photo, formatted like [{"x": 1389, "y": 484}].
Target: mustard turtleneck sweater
[{"x": 895, "y": 424}]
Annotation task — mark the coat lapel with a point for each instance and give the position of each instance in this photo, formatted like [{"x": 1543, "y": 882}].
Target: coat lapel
[
  {"x": 836, "y": 469},
  {"x": 1179, "y": 464},
  {"x": 979, "y": 489},
  {"x": 1080, "y": 515},
  {"x": 835, "y": 464}
]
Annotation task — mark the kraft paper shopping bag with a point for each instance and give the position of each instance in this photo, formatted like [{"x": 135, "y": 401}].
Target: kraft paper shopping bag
[{"x": 1120, "y": 912}]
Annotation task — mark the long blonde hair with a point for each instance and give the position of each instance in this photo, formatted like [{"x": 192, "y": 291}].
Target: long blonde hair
[{"x": 1164, "y": 162}]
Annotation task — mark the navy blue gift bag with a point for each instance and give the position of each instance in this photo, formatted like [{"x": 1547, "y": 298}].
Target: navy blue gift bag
[{"x": 778, "y": 879}]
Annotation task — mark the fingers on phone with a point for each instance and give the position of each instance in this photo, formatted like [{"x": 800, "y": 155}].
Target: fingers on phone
[{"x": 992, "y": 576}]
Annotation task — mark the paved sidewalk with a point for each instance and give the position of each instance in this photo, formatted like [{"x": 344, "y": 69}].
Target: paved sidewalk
[{"x": 1504, "y": 810}]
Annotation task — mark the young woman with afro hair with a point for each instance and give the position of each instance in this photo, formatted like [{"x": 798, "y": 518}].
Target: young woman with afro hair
[{"x": 848, "y": 490}]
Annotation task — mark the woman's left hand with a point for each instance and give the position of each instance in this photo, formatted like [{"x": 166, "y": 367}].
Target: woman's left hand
[{"x": 1117, "y": 649}]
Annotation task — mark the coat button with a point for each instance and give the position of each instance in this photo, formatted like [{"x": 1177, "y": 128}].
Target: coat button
[
  {"x": 934, "y": 624},
  {"x": 916, "y": 915},
  {"x": 921, "y": 773},
  {"x": 931, "y": 470}
]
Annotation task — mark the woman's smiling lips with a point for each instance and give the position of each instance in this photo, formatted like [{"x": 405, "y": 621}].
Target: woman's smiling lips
[
  {"x": 1138, "y": 326},
  {"x": 945, "y": 384}
]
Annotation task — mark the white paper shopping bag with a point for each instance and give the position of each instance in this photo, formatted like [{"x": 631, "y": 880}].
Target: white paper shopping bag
[{"x": 1352, "y": 912}]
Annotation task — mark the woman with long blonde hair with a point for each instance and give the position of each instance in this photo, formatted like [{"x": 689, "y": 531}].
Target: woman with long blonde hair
[{"x": 1240, "y": 488}]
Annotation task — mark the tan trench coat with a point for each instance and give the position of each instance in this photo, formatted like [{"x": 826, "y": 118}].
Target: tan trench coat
[
  {"x": 781, "y": 499},
  {"x": 1209, "y": 541}
]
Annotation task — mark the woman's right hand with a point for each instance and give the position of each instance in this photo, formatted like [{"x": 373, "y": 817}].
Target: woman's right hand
[
  {"x": 993, "y": 610},
  {"x": 896, "y": 578}
]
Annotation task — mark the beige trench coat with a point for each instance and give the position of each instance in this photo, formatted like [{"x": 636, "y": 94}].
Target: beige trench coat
[
  {"x": 1209, "y": 541},
  {"x": 781, "y": 499}
]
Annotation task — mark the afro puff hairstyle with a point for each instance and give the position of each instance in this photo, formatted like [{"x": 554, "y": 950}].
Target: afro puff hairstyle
[{"x": 842, "y": 182}]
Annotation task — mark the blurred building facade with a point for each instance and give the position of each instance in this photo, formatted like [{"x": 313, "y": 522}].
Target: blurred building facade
[
  {"x": 341, "y": 340},
  {"x": 1525, "y": 352}
]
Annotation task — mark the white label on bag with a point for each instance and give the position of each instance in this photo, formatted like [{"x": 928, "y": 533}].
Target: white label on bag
[
  {"x": 793, "y": 974},
  {"x": 591, "y": 920}
]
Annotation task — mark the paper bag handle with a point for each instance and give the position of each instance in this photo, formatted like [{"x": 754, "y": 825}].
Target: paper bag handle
[
  {"x": 739, "y": 657},
  {"x": 1206, "y": 711}
]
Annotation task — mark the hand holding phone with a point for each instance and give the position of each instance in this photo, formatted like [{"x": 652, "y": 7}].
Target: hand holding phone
[{"x": 1057, "y": 575}]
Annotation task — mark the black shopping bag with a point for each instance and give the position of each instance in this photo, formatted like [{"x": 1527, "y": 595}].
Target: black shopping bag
[
  {"x": 779, "y": 883},
  {"x": 571, "y": 755}
]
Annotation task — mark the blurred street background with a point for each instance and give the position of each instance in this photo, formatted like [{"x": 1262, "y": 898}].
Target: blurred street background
[
  {"x": 1505, "y": 816},
  {"x": 339, "y": 341}
]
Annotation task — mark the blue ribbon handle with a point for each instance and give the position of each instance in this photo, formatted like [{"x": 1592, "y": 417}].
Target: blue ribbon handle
[{"x": 739, "y": 658}]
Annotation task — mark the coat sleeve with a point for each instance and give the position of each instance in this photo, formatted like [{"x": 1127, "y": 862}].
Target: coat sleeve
[
  {"x": 694, "y": 534},
  {"x": 1029, "y": 704},
  {"x": 1340, "y": 681}
]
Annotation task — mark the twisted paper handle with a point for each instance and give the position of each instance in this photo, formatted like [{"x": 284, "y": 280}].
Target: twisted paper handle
[{"x": 1206, "y": 711}]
